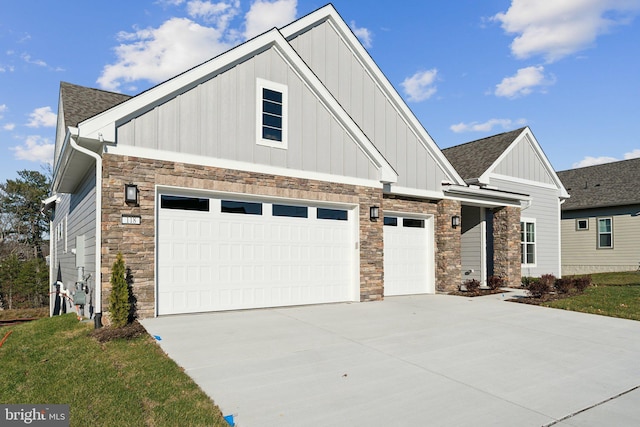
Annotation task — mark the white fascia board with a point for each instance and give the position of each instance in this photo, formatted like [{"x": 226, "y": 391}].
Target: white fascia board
[
  {"x": 526, "y": 133},
  {"x": 328, "y": 13},
  {"x": 171, "y": 156},
  {"x": 63, "y": 158},
  {"x": 413, "y": 192},
  {"x": 521, "y": 181},
  {"x": 104, "y": 124},
  {"x": 485, "y": 196}
]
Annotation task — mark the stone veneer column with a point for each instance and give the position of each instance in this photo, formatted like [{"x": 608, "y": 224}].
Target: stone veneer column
[
  {"x": 506, "y": 245},
  {"x": 371, "y": 248},
  {"x": 449, "y": 247}
]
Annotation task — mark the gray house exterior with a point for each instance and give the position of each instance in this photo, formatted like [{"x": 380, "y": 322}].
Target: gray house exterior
[
  {"x": 285, "y": 171},
  {"x": 511, "y": 162},
  {"x": 601, "y": 220}
]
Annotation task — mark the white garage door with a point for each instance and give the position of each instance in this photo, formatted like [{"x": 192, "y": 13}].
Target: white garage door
[
  {"x": 227, "y": 254},
  {"x": 408, "y": 256}
]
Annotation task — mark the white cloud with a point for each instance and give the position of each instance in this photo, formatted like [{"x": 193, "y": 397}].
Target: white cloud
[
  {"x": 42, "y": 117},
  {"x": 421, "y": 85},
  {"x": 9, "y": 126},
  {"x": 27, "y": 58},
  {"x": 3, "y": 109},
  {"x": 219, "y": 13},
  {"x": 506, "y": 124},
  {"x": 523, "y": 82},
  {"x": 634, "y": 154},
  {"x": 35, "y": 149},
  {"x": 265, "y": 15},
  {"x": 555, "y": 29},
  {"x": 156, "y": 54},
  {"x": 591, "y": 161},
  {"x": 364, "y": 34}
]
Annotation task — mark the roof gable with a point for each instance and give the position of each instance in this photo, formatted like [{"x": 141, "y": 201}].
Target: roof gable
[
  {"x": 80, "y": 103},
  {"x": 606, "y": 185}
]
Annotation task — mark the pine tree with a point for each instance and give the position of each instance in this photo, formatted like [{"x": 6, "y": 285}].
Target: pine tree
[{"x": 119, "y": 305}]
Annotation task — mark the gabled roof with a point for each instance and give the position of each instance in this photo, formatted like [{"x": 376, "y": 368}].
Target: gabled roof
[
  {"x": 610, "y": 184},
  {"x": 81, "y": 103},
  {"x": 474, "y": 158}
]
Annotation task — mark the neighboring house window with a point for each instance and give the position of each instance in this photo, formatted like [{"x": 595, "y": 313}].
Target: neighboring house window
[
  {"x": 582, "y": 224},
  {"x": 528, "y": 242},
  {"x": 271, "y": 114},
  {"x": 605, "y": 234}
]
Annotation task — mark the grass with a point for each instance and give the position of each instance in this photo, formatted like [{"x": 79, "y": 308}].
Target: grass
[
  {"x": 613, "y": 294},
  {"x": 117, "y": 383},
  {"x": 24, "y": 313}
]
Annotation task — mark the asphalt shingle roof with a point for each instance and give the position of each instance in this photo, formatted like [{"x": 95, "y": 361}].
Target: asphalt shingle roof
[
  {"x": 610, "y": 184},
  {"x": 473, "y": 158},
  {"x": 80, "y": 103}
]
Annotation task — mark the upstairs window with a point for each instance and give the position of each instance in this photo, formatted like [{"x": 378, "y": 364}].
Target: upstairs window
[{"x": 271, "y": 114}]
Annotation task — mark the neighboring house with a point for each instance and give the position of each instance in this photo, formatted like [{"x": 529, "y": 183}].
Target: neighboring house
[
  {"x": 601, "y": 220},
  {"x": 512, "y": 162},
  {"x": 285, "y": 171}
]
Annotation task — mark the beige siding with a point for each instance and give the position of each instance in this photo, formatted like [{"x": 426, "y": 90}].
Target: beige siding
[
  {"x": 580, "y": 253},
  {"x": 218, "y": 119},
  {"x": 523, "y": 162},
  {"x": 361, "y": 96}
]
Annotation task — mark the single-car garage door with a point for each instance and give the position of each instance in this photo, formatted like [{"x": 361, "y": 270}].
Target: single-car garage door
[
  {"x": 408, "y": 255},
  {"x": 218, "y": 253}
]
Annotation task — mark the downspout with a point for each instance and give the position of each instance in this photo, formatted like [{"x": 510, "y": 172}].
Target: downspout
[
  {"x": 560, "y": 236},
  {"x": 98, "y": 280}
]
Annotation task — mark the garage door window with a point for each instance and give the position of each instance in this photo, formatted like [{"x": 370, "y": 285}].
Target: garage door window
[
  {"x": 290, "y": 211},
  {"x": 247, "y": 208},
  {"x": 335, "y": 214},
  {"x": 391, "y": 221},
  {"x": 413, "y": 223},
  {"x": 184, "y": 203}
]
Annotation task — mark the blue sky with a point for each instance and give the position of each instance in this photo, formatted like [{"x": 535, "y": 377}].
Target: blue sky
[{"x": 569, "y": 69}]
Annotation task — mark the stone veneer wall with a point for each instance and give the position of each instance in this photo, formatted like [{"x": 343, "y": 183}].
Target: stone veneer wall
[
  {"x": 137, "y": 242},
  {"x": 449, "y": 243},
  {"x": 506, "y": 245}
]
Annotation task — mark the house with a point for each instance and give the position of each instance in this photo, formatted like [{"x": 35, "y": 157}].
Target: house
[
  {"x": 285, "y": 171},
  {"x": 601, "y": 220},
  {"x": 511, "y": 162}
]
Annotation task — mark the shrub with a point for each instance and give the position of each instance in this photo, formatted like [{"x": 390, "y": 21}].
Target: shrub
[
  {"x": 119, "y": 305},
  {"x": 548, "y": 279},
  {"x": 527, "y": 280},
  {"x": 564, "y": 286},
  {"x": 582, "y": 282},
  {"x": 472, "y": 285},
  {"x": 539, "y": 288},
  {"x": 495, "y": 282}
]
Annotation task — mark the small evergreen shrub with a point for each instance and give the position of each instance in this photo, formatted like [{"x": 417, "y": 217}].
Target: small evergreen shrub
[
  {"x": 119, "y": 305},
  {"x": 564, "y": 286},
  {"x": 471, "y": 285},
  {"x": 495, "y": 282},
  {"x": 581, "y": 283},
  {"x": 527, "y": 280}
]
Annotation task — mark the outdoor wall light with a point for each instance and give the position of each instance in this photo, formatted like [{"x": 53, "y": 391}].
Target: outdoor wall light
[
  {"x": 374, "y": 213},
  {"x": 131, "y": 194},
  {"x": 455, "y": 221}
]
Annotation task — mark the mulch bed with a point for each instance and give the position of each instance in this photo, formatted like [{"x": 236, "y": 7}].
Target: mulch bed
[
  {"x": 540, "y": 300},
  {"x": 130, "y": 331},
  {"x": 477, "y": 293}
]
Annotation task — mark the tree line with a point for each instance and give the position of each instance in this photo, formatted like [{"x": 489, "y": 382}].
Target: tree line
[{"x": 24, "y": 244}]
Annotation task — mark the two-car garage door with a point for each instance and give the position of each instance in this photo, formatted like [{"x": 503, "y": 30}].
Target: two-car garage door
[{"x": 221, "y": 253}]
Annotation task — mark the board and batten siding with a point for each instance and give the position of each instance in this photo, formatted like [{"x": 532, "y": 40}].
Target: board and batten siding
[
  {"x": 523, "y": 162},
  {"x": 471, "y": 244},
  {"x": 580, "y": 252},
  {"x": 344, "y": 75},
  {"x": 217, "y": 119},
  {"x": 77, "y": 213},
  {"x": 545, "y": 210}
]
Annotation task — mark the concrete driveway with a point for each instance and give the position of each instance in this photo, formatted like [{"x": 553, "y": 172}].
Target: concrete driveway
[{"x": 433, "y": 360}]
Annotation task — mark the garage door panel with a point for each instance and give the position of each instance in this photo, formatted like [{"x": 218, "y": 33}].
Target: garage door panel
[
  {"x": 210, "y": 261},
  {"x": 408, "y": 257}
]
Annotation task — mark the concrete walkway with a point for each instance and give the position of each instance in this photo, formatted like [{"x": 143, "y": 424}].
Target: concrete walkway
[{"x": 433, "y": 360}]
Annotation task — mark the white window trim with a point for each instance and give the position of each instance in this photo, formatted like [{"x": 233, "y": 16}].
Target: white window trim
[
  {"x": 598, "y": 232},
  {"x": 535, "y": 242},
  {"x": 65, "y": 229},
  {"x": 578, "y": 221},
  {"x": 265, "y": 84}
]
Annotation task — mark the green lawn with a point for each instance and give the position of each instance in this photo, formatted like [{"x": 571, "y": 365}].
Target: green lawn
[
  {"x": 613, "y": 294},
  {"x": 118, "y": 383}
]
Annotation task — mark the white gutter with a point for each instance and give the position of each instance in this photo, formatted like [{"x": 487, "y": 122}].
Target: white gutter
[
  {"x": 462, "y": 191},
  {"x": 98, "y": 277}
]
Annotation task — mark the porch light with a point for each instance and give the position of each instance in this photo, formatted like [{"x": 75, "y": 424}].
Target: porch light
[
  {"x": 131, "y": 194},
  {"x": 455, "y": 221},
  {"x": 374, "y": 213}
]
